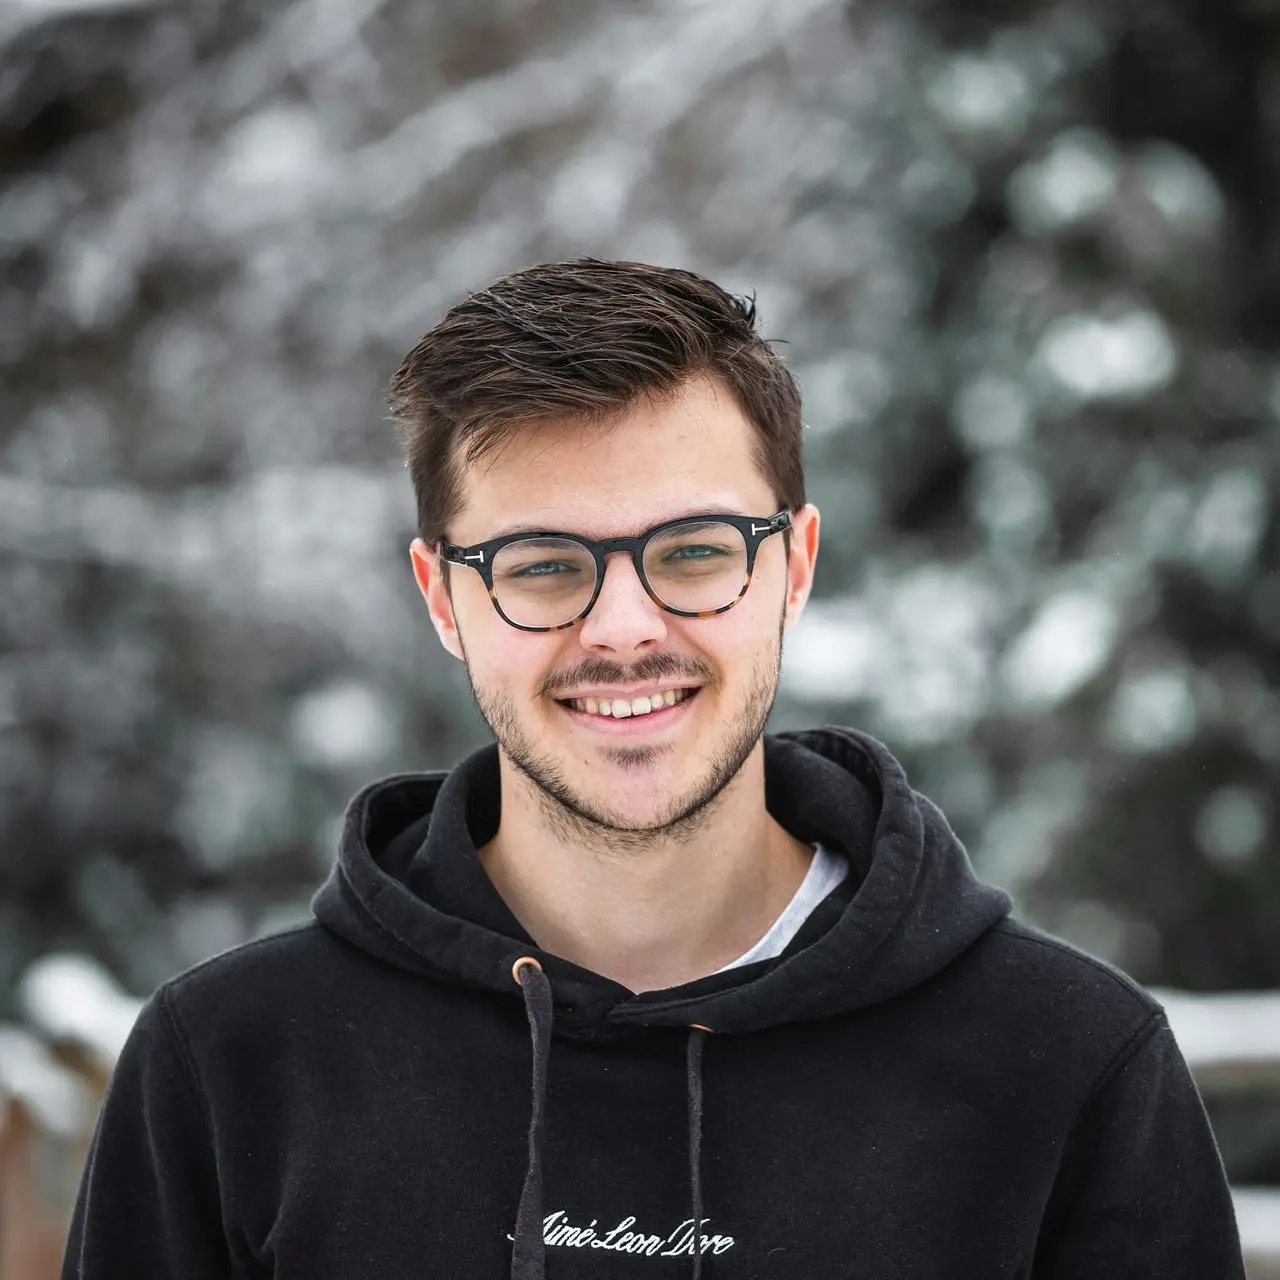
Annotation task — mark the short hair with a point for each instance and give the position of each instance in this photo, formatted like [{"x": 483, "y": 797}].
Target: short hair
[{"x": 582, "y": 340}]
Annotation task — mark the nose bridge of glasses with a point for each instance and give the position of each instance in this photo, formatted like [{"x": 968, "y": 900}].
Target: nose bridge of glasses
[
  {"x": 631, "y": 549},
  {"x": 623, "y": 614}
]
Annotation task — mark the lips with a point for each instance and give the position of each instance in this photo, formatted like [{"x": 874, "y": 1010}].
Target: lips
[
  {"x": 661, "y": 712},
  {"x": 622, "y": 708}
]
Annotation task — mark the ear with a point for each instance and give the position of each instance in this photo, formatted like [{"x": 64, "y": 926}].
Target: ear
[
  {"x": 426, "y": 570},
  {"x": 804, "y": 555}
]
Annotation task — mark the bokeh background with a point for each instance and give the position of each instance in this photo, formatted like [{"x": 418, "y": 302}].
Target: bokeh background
[{"x": 1026, "y": 261}]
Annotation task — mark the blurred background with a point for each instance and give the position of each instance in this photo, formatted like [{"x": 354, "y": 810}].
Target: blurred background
[{"x": 1026, "y": 261}]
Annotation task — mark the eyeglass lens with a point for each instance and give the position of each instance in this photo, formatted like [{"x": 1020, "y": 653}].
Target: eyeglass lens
[{"x": 695, "y": 567}]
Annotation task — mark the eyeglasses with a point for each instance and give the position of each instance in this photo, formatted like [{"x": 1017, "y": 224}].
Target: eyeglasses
[{"x": 694, "y": 567}]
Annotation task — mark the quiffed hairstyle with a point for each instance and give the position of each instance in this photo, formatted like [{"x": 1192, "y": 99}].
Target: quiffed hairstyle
[{"x": 582, "y": 340}]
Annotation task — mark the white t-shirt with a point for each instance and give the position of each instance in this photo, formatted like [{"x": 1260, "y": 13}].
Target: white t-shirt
[{"x": 826, "y": 871}]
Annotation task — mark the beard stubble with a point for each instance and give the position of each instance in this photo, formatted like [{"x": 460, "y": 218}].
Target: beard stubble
[{"x": 573, "y": 815}]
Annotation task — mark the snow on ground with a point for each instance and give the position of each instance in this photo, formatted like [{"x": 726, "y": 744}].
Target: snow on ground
[
  {"x": 71, "y": 998},
  {"x": 1227, "y": 1038}
]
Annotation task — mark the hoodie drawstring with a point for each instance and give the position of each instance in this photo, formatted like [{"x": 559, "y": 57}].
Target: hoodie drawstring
[
  {"x": 528, "y": 1252},
  {"x": 697, "y": 1035}
]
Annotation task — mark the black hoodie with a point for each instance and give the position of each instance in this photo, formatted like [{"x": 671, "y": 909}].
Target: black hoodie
[{"x": 919, "y": 1088}]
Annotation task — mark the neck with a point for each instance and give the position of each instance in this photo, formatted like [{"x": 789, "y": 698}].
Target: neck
[{"x": 651, "y": 912}]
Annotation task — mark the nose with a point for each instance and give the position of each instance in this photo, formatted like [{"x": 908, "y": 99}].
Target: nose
[{"x": 623, "y": 620}]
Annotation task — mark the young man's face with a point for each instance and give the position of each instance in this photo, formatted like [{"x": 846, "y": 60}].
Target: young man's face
[{"x": 687, "y": 455}]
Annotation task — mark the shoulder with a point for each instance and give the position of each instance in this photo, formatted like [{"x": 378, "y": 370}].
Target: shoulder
[
  {"x": 1057, "y": 1001},
  {"x": 1054, "y": 965},
  {"x": 282, "y": 983},
  {"x": 287, "y": 954}
]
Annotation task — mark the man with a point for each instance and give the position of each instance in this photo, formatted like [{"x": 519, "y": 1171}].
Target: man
[{"x": 637, "y": 992}]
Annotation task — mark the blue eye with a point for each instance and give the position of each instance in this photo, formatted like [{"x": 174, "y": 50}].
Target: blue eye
[
  {"x": 699, "y": 552},
  {"x": 543, "y": 569}
]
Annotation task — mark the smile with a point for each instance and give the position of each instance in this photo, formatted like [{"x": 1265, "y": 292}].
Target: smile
[
  {"x": 614, "y": 717},
  {"x": 622, "y": 708}
]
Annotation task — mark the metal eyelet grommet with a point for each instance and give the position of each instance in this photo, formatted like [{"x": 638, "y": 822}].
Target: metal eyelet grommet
[{"x": 524, "y": 961}]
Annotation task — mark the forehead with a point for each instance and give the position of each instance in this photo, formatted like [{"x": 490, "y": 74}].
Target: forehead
[{"x": 663, "y": 458}]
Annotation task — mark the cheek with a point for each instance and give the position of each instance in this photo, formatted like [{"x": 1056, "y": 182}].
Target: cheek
[
  {"x": 759, "y": 613},
  {"x": 474, "y": 617},
  {"x": 513, "y": 661},
  {"x": 733, "y": 642}
]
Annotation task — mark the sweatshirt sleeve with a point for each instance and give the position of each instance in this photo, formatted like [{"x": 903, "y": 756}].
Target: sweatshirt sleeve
[
  {"x": 1141, "y": 1192},
  {"x": 148, "y": 1203}
]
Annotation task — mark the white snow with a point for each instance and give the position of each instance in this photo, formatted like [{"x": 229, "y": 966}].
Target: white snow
[
  {"x": 1184, "y": 191},
  {"x": 1064, "y": 646},
  {"x": 991, "y": 413},
  {"x": 71, "y": 997},
  {"x": 1258, "y": 1216},
  {"x": 1152, "y": 710},
  {"x": 981, "y": 96},
  {"x": 1073, "y": 182},
  {"x": 1230, "y": 521},
  {"x": 1227, "y": 1038},
  {"x": 345, "y": 724},
  {"x": 1097, "y": 357},
  {"x": 57, "y": 1099},
  {"x": 916, "y": 644}
]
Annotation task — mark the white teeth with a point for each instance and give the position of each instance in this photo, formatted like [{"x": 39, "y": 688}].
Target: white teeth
[{"x": 622, "y": 708}]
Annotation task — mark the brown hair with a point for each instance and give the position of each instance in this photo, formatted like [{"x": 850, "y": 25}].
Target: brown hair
[{"x": 582, "y": 339}]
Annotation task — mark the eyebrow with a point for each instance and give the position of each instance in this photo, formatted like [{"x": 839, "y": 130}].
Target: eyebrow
[{"x": 506, "y": 531}]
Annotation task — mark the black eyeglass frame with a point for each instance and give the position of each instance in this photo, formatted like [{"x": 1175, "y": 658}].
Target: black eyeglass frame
[{"x": 754, "y": 529}]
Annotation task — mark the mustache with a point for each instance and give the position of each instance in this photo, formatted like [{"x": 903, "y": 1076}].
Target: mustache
[{"x": 652, "y": 667}]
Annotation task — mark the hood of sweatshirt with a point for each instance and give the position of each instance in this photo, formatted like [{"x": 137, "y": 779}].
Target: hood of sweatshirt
[{"x": 409, "y": 888}]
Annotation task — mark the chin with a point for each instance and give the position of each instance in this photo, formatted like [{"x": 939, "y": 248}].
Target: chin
[
  {"x": 643, "y": 797},
  {"x": 640, "y": 788}
]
